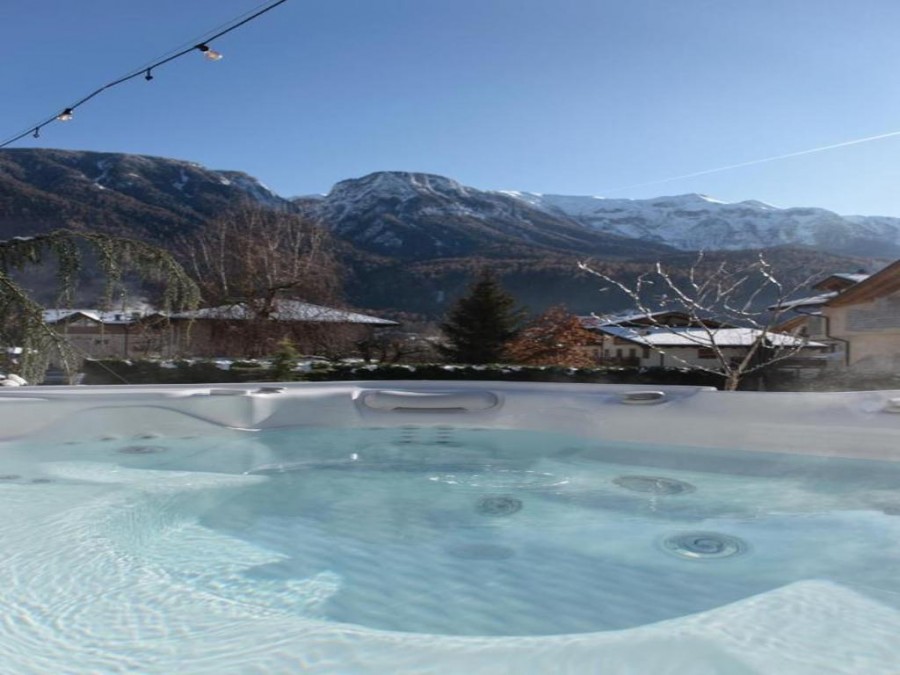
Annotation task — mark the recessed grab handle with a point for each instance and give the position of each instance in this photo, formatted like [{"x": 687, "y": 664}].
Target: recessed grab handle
[
  {"x": 643, "y": 397},
  {"x": 433, "y": 401}
]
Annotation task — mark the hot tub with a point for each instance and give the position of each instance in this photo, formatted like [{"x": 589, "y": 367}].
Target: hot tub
[{"x": 449, "y": 527}]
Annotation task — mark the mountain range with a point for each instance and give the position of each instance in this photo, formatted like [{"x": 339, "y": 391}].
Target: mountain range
[
  {"x": 411, "y": 241},
  {"x": 693, "y": 221}
]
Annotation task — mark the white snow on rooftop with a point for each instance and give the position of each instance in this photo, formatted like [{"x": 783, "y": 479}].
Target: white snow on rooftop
[
  {"x": 698, "y": 337},
  {"x": 810, "y": 301},
  {"x": 287, "y": 310},
  {"x": 115, "y": 317}
]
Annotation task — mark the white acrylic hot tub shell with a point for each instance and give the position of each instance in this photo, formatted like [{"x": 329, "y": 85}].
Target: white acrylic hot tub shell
[
  {"x": 808, "y": 627},
  {"x": 851, "y": 424}
]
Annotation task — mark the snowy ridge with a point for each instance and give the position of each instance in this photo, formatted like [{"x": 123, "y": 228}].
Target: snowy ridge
[
  {"x": 420, "y": 215},
  {"x": 695, "y": 221}
]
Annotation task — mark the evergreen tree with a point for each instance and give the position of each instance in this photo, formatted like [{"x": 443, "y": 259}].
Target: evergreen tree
[
  {"x": 284, "y": 360},
  {"x": 480, "y": 324}
]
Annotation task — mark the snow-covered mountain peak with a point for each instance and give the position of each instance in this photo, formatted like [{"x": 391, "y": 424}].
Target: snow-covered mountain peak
[
  {"x": 690, "y": 200},
  {"x": 400, "y": 185},
  {"x": 690, "y": 221},
  {"x": 696, "y": 221},
  {"x": 756, "y": 204}
]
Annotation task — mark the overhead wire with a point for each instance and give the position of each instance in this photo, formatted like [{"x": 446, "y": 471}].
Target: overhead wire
[
  {"x": 147, "y": 69},
  {"x": 200, "y": 43}
]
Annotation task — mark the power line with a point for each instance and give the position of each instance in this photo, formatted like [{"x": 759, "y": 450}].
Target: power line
[{"x": 146, "y": 71}]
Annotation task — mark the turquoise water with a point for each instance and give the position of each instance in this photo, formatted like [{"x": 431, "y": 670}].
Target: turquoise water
[{"x": 421, "y": 530}]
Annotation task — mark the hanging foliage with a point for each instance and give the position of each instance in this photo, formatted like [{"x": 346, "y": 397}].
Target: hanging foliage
[{"x": 23, "y": 331}]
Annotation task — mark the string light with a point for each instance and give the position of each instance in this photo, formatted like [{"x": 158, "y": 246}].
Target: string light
[
  {"x": 209, "y": 53},
  {"x": 145, "y": 70}
]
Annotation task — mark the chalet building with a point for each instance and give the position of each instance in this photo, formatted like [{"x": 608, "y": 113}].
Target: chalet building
[
  {"x": 236, "y": 330},
  {"x": 805, "y": 315},
  {"x": 856, "y": 315},
  {"x": 675, "y": 339},
  {"x": 227, "y": 331},
  {"x": 615, "y": 347},
  {"x": 689, "y": 346},
  {"x": 97, "y": 334},
  {"x": 865, "y": 319}
]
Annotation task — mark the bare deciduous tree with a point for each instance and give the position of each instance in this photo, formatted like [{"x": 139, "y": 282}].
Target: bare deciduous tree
[
  {"x": 255, "y": 256},
  {"x": 717, "y": 297}
]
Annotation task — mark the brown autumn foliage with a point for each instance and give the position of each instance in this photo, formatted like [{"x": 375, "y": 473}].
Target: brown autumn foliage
[{"x": 555, "y": 338}]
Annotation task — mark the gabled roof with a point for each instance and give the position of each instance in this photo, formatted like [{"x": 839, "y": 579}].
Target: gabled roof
[
  {"x": 832, "y": 286},
  {"x": 840, "y": 280},
  {"x": 287, "y": 310},
  {"x": 54, "y": 316},
  {"x": 635, "y": 318},
  {"x": 698, "y": 337},
  {"x": 812, "y": 301},
  {"x": 875, "y": 286}
]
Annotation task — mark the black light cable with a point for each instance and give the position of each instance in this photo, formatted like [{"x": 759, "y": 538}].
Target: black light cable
[{"x": 146, "y": 71}]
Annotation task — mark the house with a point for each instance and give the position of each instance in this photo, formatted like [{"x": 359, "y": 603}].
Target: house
[
  {"x": 616, "y": 347},
  {"x": 804, "y": 315},
  {"x": 93, "y": 333},
  {"x": 238, "y": 330},
  {"x": 232, "y": 330},
  {"x": 865, "y": 319},
  {"x": 691, "y": 346}
]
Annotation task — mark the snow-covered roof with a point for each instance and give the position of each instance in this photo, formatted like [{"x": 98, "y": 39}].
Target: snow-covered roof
[
  {"x": 698, "y": 337},
  {"x": 810, "y": 301},
  {"x": 634, "y": 317},
  {"x": 117, "y": 317},
  {"x": 287, "y": 310},
  {"x": 625, "y": 317},
  {"x": 884, "y": 282},
  {"x": 855, "y": 277},
  {"x": 840, "y": 280}
]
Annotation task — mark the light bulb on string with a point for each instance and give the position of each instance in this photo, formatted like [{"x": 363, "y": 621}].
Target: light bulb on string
[
  {"x": 148, "y": 75},
  {"x": 66, "y": 115},
  {"x": 209, "y": 52},
  {"x": 37, "y": 132}
]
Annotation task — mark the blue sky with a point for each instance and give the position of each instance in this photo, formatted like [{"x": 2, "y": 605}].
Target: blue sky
[{"x": 569, "y": 96}]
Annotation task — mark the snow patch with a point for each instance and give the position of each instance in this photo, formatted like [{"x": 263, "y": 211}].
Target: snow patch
[
  {"x": 182, "y": 180},
  {"x": 103, "y": 166}
]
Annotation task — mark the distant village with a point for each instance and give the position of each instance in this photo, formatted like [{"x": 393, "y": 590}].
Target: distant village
[{"x": 847, "y": 322}]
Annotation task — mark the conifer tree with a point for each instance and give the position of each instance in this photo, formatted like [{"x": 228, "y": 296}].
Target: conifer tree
[
  {"x": 284, "y": 360},
  {"x": 480, "y": 324}
]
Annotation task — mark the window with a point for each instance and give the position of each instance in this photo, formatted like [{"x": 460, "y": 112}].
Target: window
[
  {"x": 706, "y": 353},
  {"x": 815, "y": 325}
]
